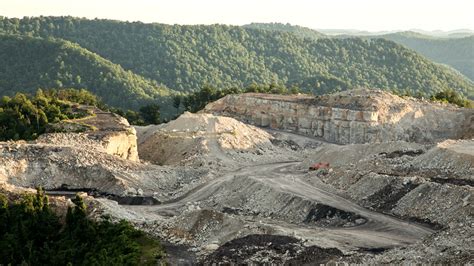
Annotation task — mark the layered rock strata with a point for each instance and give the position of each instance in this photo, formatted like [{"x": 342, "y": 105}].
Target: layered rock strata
[{"x": 358, "y": 116}]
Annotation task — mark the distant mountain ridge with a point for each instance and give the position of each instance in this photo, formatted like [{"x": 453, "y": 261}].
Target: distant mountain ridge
[
  {"x": 455, "y": 52},
  {"x": 453, "y": 48},
  {"x": 459, "y": 33}
]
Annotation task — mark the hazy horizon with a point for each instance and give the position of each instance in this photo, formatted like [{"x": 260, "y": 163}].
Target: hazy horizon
[{"x": 364, "y": 15}]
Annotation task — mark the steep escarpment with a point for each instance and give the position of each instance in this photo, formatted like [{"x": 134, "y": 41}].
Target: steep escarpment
[
  {"x": 65, "y": 168},
  {"x": 358, "y": 116}
]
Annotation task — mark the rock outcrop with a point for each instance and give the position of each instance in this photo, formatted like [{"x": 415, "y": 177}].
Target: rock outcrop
[
  {"x": 357, "y": 116},
  {"x": 66, "y": 167},
  {"x": 104, "y": 131},
  {"x": 92, "y": 153},
  {"x": 56, "y": 167}
]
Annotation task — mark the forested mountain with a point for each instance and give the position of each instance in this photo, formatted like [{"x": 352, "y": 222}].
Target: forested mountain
[
  {"x": 28, "y": 63},
  {"x": 455, "y": 49},
  {"x": 186, "y": 57},
  {"x": 455, "y": 52},
  {"x": 458, "y": 33}
]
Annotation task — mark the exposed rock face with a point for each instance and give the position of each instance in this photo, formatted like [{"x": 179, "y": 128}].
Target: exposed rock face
[
  {"x": 66, "y": 167},
  {"x": 358, "y": 116},
  {"x": 54, "y": 166},
  {"x": 106, "y": 132},
  {"x": 93, "y": 153}
]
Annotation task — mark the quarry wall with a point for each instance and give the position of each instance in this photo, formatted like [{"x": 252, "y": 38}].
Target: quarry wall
[{"x": 349, "y": 117}]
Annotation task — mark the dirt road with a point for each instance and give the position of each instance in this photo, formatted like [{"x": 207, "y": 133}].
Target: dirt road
[{"x": 379, "y": 230}]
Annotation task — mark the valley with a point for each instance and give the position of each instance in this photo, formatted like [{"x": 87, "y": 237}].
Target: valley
[{"x": 234, "y": 133}]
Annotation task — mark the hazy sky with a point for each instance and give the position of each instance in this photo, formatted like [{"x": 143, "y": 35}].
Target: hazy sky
[{"x": 328, "y": 14}]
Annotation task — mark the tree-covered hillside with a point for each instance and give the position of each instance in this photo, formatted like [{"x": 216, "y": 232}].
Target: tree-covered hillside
[
  {"x": 28, "y": 63},
  {"x": 186, "y": 57},
  {"x": 455, "y": 52}
]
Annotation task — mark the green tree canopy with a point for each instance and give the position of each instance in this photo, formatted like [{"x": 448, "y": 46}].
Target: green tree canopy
[
  {"x": 31, "y": 233},
  {"x": 185, "y": 57},
  {"x": 26, "y": 117}
]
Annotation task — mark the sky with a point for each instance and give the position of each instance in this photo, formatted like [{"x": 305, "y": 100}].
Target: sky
[{"x": 371, "y": 15}]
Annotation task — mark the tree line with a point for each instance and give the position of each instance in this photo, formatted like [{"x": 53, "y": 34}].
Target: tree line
[
  {"x": 446, "y": 96},
  {"x": 26, "y": 116},
  {"x": 196, "y": 101}
]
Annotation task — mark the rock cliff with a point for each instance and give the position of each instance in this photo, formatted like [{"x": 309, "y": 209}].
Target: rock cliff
[{"x": 357, "y": 116}]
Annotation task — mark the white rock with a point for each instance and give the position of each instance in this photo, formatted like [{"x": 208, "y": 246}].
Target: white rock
[{"x": 211, "y": 247}]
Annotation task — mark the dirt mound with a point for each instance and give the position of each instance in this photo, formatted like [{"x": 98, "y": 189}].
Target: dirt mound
[
  {"x": 455, "y": 157},
  {"x": 340, "y": 155},
  {"x": 196, "y": 135},
  {"x": 429, "y": 185}
]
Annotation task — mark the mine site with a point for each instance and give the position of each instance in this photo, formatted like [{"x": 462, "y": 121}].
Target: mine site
[{"x": 360, "y": 177}]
